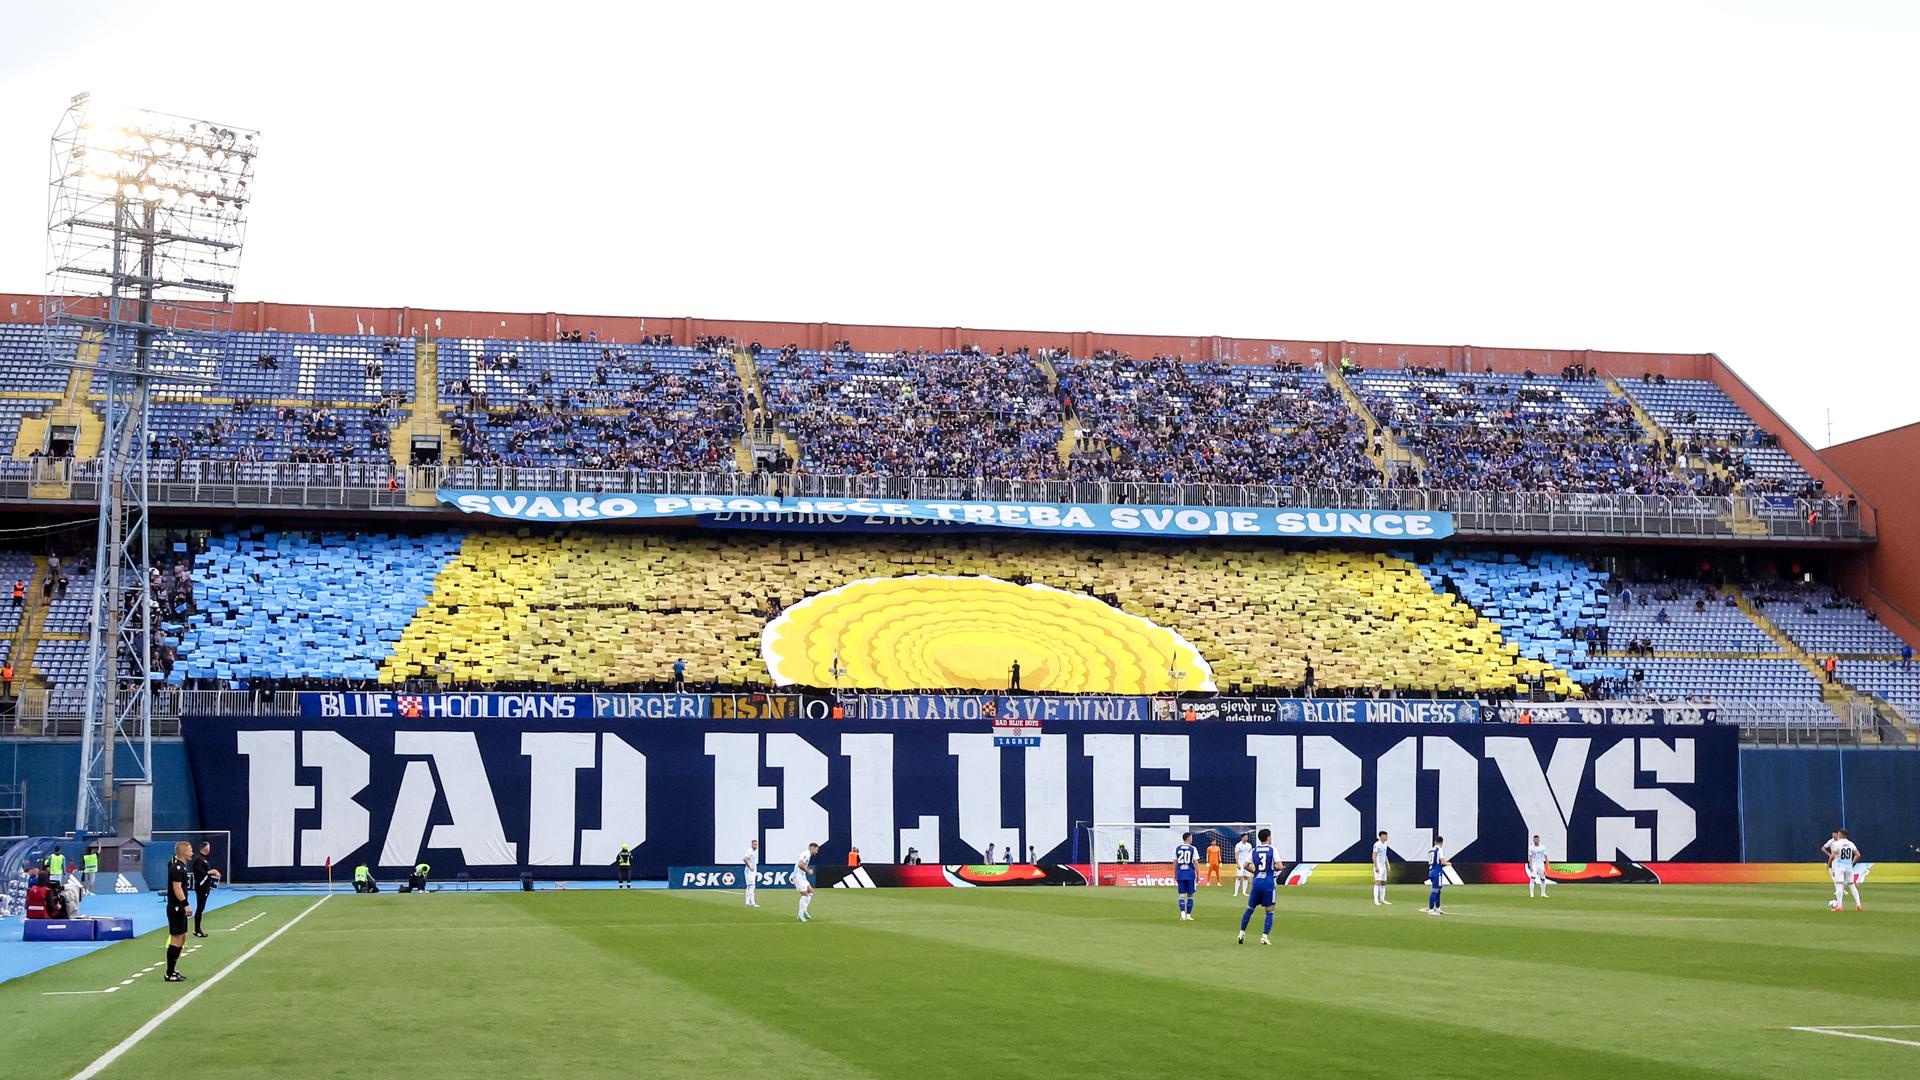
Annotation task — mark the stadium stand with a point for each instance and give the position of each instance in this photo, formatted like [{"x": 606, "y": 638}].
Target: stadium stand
[
  {"x": 594, "y": 609},
  {"x": 269, "y": 609},
  {"x": 1707, "y": 424},
  {"x": 284, "y": 606},
  {"x": 914, "y": 413},
  {"x": 490, "y": 606},
  {"x": 1551, "y": 606},
  {"x": 1895, "y": 681},
  {"x": 26, "y": 350},
  {"x": 1516, "y": 432},
  {"x": 592, "y": 406},
  {"x": 496, "y": 607},
  {"x": 1717, "y": 679},
  {"x": 1684, "y": 617},
  {"x": 280, "y": 397},
  {"x": 1820, "y": 620},
  {"x": 1164, "y": 420},
  {"x": 1011, "y": 414}
]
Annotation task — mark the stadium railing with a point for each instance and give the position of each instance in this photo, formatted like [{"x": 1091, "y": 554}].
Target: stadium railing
[{"x": 373, "y": 486}]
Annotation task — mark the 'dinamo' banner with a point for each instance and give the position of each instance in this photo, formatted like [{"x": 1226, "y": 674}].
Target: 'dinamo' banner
[
  {"x": 1079, "y": 519},
  {"x": 560, "y": 796}
]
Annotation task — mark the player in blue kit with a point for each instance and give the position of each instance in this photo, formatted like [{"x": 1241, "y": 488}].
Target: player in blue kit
[
  {"x": 1261, "y": 868},
  {"x": 1186, "y": 873},
  {"x": 1437, "y": 863}
]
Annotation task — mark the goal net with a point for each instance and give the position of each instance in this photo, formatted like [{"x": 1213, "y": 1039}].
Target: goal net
[
  {"x": 1125, "y": 842},
  {"x": 220, "y": 854}
]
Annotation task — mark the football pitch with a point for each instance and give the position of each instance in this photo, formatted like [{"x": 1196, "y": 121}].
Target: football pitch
[{"x": 1597, "y": 981}]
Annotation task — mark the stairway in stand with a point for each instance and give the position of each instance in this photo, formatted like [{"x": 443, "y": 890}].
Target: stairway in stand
[
  {"x": 1392, "y": 454},
  {"x": 27, "y": 679},
  {"x": 1838, "y": 696},
  {"x": 72, "y": 409},
  {"x": 423, "y": 416},
  {"x": 759, "y": 439}
]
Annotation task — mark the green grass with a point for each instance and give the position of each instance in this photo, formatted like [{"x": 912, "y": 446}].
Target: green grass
[{"x": 1598, "y": 981}]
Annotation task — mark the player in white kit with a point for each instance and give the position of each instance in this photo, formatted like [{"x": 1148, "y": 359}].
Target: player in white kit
[
  {"x": 1536, "y": 867},
  {"x": 752, "y": 861},
  {"x": 803, "y": 880},
  {"x": 1841, "y": 853},
  {"x": 1380, "y": 870},
  {"x": 1242, "y": 855}
]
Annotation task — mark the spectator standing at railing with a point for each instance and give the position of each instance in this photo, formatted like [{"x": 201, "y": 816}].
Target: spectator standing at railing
[{"x": 1831, "y": 665}]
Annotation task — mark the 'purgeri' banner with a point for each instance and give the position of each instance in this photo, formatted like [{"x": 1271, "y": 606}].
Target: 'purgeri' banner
[{"x": 1077, "y": 519}]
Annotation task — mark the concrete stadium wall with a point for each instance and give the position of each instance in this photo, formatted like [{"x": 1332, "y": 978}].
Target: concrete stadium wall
[
  {"x": 50, "y": 770},
  {"x": 1791, "y": 800},
  {"x": 431, "y": 322},
  {"x": 1888, "y": 577}
]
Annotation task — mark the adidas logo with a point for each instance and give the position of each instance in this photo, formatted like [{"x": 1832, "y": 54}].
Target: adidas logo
[
  {"x": 856, "y": 880},
  {"x": 122, "y": 886}
]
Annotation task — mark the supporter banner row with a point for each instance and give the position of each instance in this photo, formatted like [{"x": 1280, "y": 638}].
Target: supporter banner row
[
  {"x": 1320, "y": 710},
  {"x": 1081, "y": 519},
  {"x": 358, "y": 705},
  {"x": 1611, "y": 712},
  {"x": 559, "y": 796},
  {"x": 350, "y": 705}
]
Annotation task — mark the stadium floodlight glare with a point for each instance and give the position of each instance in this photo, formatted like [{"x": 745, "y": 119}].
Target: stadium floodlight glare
[{"x": 146, "y": 218}]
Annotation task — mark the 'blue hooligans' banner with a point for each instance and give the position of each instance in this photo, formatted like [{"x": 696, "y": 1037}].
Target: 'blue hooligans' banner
[
  {"x": 560, "y": 796},
  {"x": 1081, "y": 519}
]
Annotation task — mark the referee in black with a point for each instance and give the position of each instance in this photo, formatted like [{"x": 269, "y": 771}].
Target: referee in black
[
  {"x": 204, "y": 877},
  {"x": 179, "y": 880}
]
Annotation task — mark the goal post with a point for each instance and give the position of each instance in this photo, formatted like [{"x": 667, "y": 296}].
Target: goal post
[
  {"x": 1118, "y": 842},
  {"x": 221, "y": 841}
]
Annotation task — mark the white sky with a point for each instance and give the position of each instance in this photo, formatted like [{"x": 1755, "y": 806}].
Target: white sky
[{"x": 1727, "y": 177}]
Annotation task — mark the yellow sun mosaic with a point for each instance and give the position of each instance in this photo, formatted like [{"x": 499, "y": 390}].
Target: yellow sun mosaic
[{"x": 935, "y": 631}]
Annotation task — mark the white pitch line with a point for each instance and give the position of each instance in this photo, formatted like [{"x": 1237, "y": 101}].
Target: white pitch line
[
  {"x": 166, "y": 1014},
  {"x": 1854, "y": 1033},
  {"x": 231, "y": 929}
]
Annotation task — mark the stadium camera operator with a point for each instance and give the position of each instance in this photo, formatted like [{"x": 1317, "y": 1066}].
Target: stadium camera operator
[
  {"x": 363, "y": 880},
  {"x": 417, "y": 881}
]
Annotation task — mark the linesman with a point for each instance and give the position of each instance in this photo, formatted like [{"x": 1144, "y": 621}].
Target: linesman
[{"x": 179, "y": 881}]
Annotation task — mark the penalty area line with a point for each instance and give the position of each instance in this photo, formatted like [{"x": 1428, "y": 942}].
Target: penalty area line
[
  {"x": 1854, "y": 1032},
  {"x": 166, "y": 1014}
]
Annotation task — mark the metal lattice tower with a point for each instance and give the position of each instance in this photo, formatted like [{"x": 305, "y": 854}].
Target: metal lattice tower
[{"x": 147, "y": 214}]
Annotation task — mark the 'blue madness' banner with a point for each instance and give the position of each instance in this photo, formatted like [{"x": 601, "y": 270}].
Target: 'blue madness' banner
[
  {"x": 1079, "y": 519},
  {"x": 560, "y": 797}
]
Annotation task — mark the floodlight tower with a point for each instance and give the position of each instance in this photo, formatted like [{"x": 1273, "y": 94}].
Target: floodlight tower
[{"x": 146, "y": 217}]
